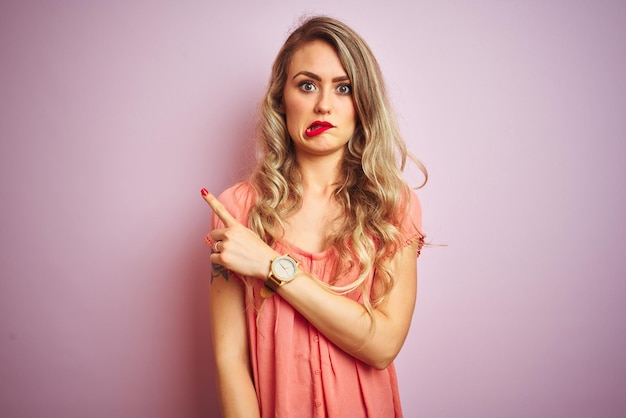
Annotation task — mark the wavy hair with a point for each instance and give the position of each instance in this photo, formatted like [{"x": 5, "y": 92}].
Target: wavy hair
[{"x": 372, "y": 193}]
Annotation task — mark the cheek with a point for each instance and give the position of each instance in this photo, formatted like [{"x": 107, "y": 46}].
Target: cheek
[
  {"x": 292, "y": 115},
  {"x": 293, "y": 107},
  {"x": 296, "y": 116},
  {"x": 351, "y": 112}
]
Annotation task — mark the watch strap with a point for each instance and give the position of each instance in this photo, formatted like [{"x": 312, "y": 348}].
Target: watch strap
[
  {"x": 266, "y": 292},
  {"x": 273, "y": 283}
]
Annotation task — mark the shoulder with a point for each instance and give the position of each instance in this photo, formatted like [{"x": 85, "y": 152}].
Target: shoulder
[
  {"x": 415, "y": 207},
  {"x": 238, "y": 199},
  {"x": 411, "y": 209},
  {"x": 411, "y": 218},
  {"x": 238, "y": 194}
]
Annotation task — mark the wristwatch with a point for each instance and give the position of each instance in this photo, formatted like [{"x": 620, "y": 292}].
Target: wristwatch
[{"x": 283, "y": 269}]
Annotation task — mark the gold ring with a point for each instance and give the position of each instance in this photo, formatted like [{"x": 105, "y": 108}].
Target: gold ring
[{"x": 216, "y": 247}]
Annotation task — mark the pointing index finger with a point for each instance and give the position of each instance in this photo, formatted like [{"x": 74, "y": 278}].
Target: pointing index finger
[{"x": 219, "y": 209}]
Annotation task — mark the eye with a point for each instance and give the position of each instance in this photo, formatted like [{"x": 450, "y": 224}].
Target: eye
[
  {"x": 307, "y": 86},
  {"x": 344, "y": 89}
]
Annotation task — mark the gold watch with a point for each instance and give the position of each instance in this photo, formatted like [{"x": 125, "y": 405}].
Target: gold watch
[{"x": 283, "y": 269}]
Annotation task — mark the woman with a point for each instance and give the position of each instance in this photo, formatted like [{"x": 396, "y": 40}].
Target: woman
[{"x": 314, "y": 257}]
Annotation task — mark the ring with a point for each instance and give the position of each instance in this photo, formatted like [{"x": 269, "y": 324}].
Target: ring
[{"x": 216, "y": 247}]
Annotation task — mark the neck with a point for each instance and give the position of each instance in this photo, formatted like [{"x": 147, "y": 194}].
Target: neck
[{"x": 320, "y": 175}]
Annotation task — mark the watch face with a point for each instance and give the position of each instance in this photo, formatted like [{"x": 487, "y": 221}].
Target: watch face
[{"x": 284, "y": 268}]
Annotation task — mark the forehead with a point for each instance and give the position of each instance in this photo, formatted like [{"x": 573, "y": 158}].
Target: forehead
[{"x": 318, "y": 57}]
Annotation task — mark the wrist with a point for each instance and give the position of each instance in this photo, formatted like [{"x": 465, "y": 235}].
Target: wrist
[
  {"x": 283, "y": 269},
  {"x": 265, "y": 265}
]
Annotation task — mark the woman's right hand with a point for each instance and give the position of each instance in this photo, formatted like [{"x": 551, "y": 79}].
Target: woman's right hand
[{"x": 239, "y": 249}]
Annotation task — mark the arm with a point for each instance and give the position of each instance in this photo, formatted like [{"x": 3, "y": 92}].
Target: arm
[
  {"x": 346, "y": 323},
  {"x": 342, "y": 320},
  {"x": 230, "y": 344}
]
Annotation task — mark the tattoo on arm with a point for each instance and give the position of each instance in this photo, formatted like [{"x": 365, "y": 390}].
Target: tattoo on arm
[{"x": 218, "y": 271}]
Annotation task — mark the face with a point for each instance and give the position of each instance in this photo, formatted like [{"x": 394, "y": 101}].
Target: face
[{"x": 318, "y": 102}]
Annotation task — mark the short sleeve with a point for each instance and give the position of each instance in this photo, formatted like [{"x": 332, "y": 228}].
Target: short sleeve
[{"x": 411, "y": 226}]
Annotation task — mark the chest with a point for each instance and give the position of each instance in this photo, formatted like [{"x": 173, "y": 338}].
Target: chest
[{"x": 312, "y": 226}]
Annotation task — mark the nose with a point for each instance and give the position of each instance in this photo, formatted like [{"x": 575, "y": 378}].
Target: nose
[{"x": 323, "y": 104}]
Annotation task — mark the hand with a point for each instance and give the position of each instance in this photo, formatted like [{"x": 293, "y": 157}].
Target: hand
[{"x": 240, "y": 249}]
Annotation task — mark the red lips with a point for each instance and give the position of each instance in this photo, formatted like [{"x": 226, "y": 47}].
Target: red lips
[{"x": 317, "y": 128}]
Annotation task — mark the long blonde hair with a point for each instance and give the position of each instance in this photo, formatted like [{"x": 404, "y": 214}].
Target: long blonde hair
[{"x": 372, "y": 194}]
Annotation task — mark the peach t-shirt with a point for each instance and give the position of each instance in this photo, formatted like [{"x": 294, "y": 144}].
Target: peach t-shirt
[{"x": 297, "y": 371}]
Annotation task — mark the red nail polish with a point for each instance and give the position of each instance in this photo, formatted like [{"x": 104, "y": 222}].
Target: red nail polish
[{"x": 204, "y": 192}]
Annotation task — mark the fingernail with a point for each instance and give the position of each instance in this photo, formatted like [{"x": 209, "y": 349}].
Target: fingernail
[{"x": 204, "y": 192}]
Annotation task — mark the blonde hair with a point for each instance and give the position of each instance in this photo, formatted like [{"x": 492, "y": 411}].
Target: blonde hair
[{"x": 372, "y": 194}]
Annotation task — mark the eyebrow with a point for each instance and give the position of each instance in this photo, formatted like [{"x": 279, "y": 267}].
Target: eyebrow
[{"x": 318, "y": 78}]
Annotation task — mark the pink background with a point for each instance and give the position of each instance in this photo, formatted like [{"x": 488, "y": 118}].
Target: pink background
[{"x": 114, "y": 114}]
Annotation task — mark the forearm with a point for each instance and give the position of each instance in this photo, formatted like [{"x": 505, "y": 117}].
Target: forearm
[
  {"x": 346, "y": 322},
  {"x": 236, "y": 393}
]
